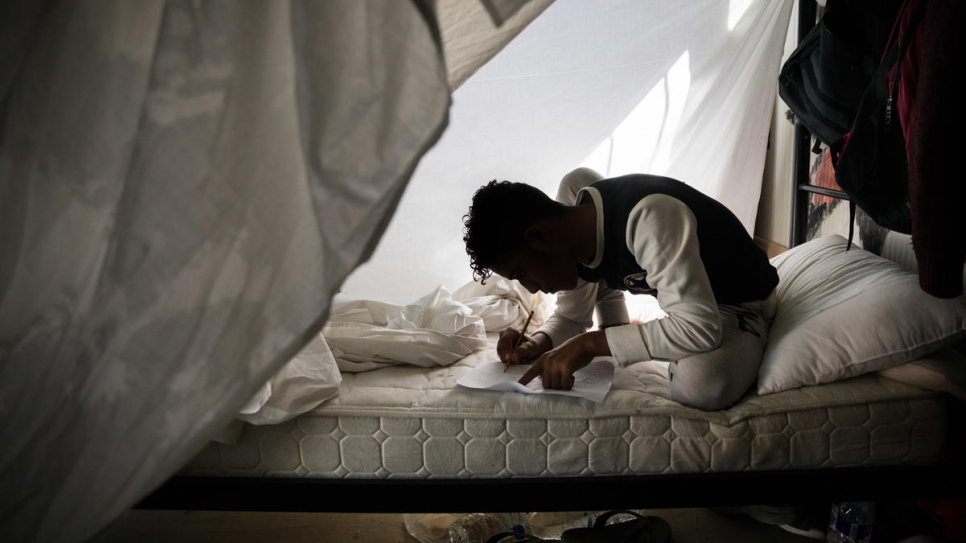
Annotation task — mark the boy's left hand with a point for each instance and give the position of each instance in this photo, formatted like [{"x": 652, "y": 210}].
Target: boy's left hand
[{"x": 557, "y": 366}]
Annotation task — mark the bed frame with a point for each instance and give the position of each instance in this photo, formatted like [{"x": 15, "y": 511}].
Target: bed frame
[
  {"x": 942, "y": 480},
  {"x": 800, "y": 486}
]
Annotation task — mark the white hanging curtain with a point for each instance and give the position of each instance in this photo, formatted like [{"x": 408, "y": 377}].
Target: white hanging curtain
[
  {"x": 684, "y": 89},
  {"x": 183, "y": 188}
]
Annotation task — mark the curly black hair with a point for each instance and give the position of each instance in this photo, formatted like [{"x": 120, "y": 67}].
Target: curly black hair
[{"x": 500, "y": 213}]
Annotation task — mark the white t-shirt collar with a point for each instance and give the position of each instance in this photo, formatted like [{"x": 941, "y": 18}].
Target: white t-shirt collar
[{"x": 594, "y": 195}]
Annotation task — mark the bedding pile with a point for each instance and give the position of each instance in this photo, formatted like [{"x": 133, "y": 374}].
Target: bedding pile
[
  {"x": 364, "y": 335},
  {"x": 433, "y": 331}
]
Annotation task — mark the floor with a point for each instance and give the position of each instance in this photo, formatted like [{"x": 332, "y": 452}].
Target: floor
[{"x": 687, "y": 526}]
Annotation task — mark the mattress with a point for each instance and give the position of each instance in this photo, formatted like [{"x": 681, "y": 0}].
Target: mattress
[{"x": 417, "y": 423}]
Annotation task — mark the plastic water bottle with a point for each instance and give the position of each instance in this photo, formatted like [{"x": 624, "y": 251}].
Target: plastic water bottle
[
  {"x": 851, "y": 522},
  {"x": 480, "y": 527},
  {"x": 550, "y": 525}
]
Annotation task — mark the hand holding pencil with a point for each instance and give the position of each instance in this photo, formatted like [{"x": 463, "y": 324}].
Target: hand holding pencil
[{"x": 519, "y": 340}]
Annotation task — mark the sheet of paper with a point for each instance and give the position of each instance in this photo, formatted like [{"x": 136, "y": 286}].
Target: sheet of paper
[{"x": 591, "y": 382}]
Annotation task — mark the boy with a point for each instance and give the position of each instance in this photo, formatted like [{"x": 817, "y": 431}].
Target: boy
[{"x": 639, "y": 233}]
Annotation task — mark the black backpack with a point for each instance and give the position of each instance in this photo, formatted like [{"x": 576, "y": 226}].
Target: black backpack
[
  {"x": 872, "y": 165},
  {"x": 825, "y": 77}
]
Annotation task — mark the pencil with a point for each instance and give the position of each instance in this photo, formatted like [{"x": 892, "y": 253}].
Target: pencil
[{"x": 519, "y": 340}]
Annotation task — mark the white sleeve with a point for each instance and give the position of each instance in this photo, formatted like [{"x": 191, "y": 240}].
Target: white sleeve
[
  {"x": 611, "y": 306},
  {"x": 662, "y": 234},
  {"x": 574, "y": 313}
]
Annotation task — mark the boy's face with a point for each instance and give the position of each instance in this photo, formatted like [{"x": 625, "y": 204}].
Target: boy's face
[{"x": 540, "y": 269}]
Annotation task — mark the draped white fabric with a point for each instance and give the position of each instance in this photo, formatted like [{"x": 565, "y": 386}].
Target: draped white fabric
[
  {"x": 470, "y": 39},
  {"x": 183, "y": 187},
  {"x": 681, "y": 88}
]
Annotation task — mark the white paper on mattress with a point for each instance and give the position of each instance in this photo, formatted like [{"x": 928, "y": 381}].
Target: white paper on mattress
[{"x": 592, "y": 382}]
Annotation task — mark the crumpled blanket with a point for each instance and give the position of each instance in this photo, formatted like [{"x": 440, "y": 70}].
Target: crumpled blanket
[
  {"x": 362, "y": 335},
  {"x": 502, "y": 303},
  {"x": 304, "y": 382},
  {"x": 435, "y": 330}
]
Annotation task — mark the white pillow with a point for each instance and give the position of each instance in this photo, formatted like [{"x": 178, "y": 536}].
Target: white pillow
[{"x": 839, "y": 314}]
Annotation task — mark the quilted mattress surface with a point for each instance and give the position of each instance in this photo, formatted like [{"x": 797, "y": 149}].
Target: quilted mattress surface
[{"x": 409, "y": 422}]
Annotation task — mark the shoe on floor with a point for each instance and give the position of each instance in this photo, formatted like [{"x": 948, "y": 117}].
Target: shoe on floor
[{"x": 640, "y": 529}]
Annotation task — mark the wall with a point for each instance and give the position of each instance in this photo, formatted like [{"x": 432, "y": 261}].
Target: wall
[{"x": 773, "y": 222}]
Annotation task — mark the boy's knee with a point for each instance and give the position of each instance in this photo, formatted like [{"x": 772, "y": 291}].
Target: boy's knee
[
  {"x": 573, "y": 182},
  {"x": 704, "y": 392},
  {"x": 703, "y": 400}
]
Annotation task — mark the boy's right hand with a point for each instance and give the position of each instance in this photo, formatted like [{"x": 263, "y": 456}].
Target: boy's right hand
[{"x": 530, "y": 348}]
